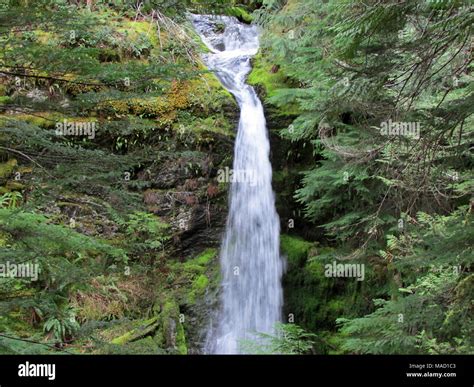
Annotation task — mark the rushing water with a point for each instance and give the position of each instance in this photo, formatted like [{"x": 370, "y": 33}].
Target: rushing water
[{"x": 251, "y": 265}]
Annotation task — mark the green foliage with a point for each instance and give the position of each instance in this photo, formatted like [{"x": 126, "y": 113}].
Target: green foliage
[
  {"x": 146, "y": 231},
  {"x": 295, "y": 249},
  {"x": 17, "y": 346},
  {"x": 62, "y": 327},
  {"x": 10, "y": 199},
  {"x": 76, "y": 205},
  {"x": 289, "y": 339},
  {"x": 432, "y": 312},
  {"x": 356, "y": 69},
  {"x": 65, "y": 261},
  {"x": 402, "y": 204}
]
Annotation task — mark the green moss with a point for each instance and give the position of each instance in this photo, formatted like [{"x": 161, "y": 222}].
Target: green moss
[
  {"x": 165, "y": 312},
  {"x": 241, "y": 14},
  {"x": 7, "y": 168},
  {"x": 194, "y": 277},
  {"x": 14, "y": 186},
  {"x": 309, "y": 295},
  {"x": 15, "y": 322},
  {"x": 206, "y": 256},
  {"x": 204, "y": 128},
  {"x": 136, "y": 30},
  {"x": 181, "y": 340},
  {"x": 44, "y": 120},
  {"x": 143, "y": 328},
  {"x": 123, "y": 339},
  {"x": 315, "y": 269},
  {"x": 190, "y": 268},
  {"x": 200, "y": 284},
  {"x": 317, "y": 301},
  {"x": 45, "y": 37},
  {"x": 265, "y": 75},
  {"x": 295, "y": 249},
  {"x": 194, "y": 271},
  {"x": 3, "y": 242},
  {"x": 196, "y": 105},
  {"x": 209, "y": 95},
  {"x": 171, "y": 333},
  {"x": 5, "y": 100},
  {"x": 262, "y": 75},
  {"x": 198, "y": 288},
  {"x": 198, "y": 264}
]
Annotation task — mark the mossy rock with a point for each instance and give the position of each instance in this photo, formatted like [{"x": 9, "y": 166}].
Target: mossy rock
[
  {"x": 170, "y": 334},
  {"x": 295, "y": 249},
  {"x": 45, "y": 120},
  {"x": 12, "y": 186},
  {"x": 145, "y": 328},
  {"x": 193, "y": 275},
  {"x": 266, "y": 75},
  {"x": 203, "y": 258},
  {"x": 164, "y": 108},
  {"x": 206, "y": 256},
  {"x": 241, "y": 14},
  {"x": 268, "y": 78},
  {"x": 315, "y": 300},
  {"x": 198, "y": 288},
  {"x": 137, "y": 30},
  {"x": 182, "y": 304},
  {"x": 7, "y": 168}
]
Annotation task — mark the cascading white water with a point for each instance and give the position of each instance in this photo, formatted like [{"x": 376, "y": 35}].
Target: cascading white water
[{"x": 251, "y": 265}]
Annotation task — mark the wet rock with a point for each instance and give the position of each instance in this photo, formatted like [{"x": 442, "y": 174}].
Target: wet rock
[{"x": 204, "y": 227}]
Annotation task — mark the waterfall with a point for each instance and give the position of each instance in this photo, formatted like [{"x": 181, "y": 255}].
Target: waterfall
[{"x": 251, "y": 265}]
